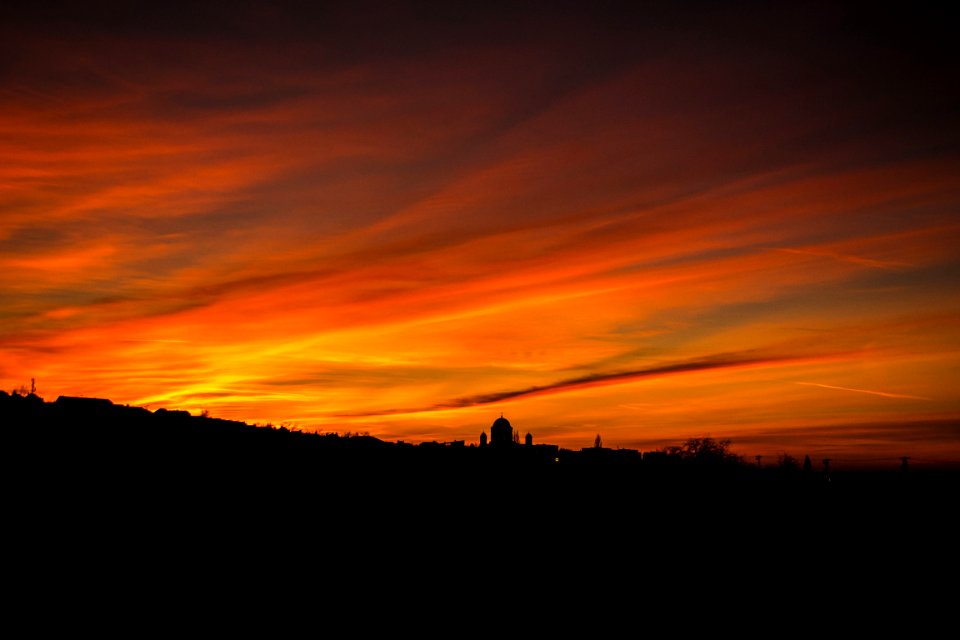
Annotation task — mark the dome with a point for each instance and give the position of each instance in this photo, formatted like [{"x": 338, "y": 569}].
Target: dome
[{"x": 501, "y": 433}]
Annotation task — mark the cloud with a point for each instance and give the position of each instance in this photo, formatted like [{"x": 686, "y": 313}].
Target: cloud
[
  {"x": 867, "y": 391},
  {"x": 718, "y": 361}
]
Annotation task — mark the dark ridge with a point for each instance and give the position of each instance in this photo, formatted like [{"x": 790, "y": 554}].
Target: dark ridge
[{"x": 92, "y": 468}]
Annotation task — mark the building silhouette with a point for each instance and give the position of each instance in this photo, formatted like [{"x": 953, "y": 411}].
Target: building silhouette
[
  {"x": 506, "y": 443},
  {"x": 501, "y": 433}
]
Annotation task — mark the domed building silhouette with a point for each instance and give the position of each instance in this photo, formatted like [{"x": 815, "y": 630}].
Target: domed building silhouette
[
  {"x": 501, "y": 432},
  {"x": 503, "y": 435}
]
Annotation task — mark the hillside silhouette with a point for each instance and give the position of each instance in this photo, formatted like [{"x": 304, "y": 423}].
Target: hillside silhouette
[
  {"x": 90, "y": 480},
  {"x": 92, "y": 441}
]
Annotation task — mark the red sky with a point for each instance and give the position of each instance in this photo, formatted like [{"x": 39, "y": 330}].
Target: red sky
[{"x": 641, "y": 222}]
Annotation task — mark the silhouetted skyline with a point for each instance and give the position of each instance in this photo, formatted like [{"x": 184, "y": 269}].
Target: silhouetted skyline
[
  {"x": 96, "y": 487},
  {"x": 112, "y": 426}
]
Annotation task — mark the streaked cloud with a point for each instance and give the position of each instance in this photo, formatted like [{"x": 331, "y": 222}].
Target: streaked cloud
[
  {"x": 883, "y": 394},
  {"x": 721, "y": 361}
]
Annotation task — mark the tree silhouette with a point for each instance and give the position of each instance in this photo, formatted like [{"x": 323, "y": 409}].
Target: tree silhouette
[
  {"x": 787, "y": 462},
  {"x": 706, "y": 451},
  {"x": 597, "y": 442}
]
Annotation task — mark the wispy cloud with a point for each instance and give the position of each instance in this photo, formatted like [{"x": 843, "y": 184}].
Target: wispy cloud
[
  {"x": 714, "y": 362},
  {"x": 884, "y": 394},
  {"x": 869, "y": 262}
]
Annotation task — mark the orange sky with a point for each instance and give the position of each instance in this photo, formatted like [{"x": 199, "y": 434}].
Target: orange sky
[{"x": 649, "y": 224}]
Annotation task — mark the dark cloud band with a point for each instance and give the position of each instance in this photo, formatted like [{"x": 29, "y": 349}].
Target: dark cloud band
[{"x": 718, "y": 361}]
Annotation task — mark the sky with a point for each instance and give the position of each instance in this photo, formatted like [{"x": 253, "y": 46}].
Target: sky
[{"x": 644, "y": 221}]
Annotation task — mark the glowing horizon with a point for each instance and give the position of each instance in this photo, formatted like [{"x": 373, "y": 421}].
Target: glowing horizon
[{"x": 650, "y": 225}]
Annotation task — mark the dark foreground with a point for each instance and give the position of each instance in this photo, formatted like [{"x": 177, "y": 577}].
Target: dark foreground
[{"x": 177, "y": 493}]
